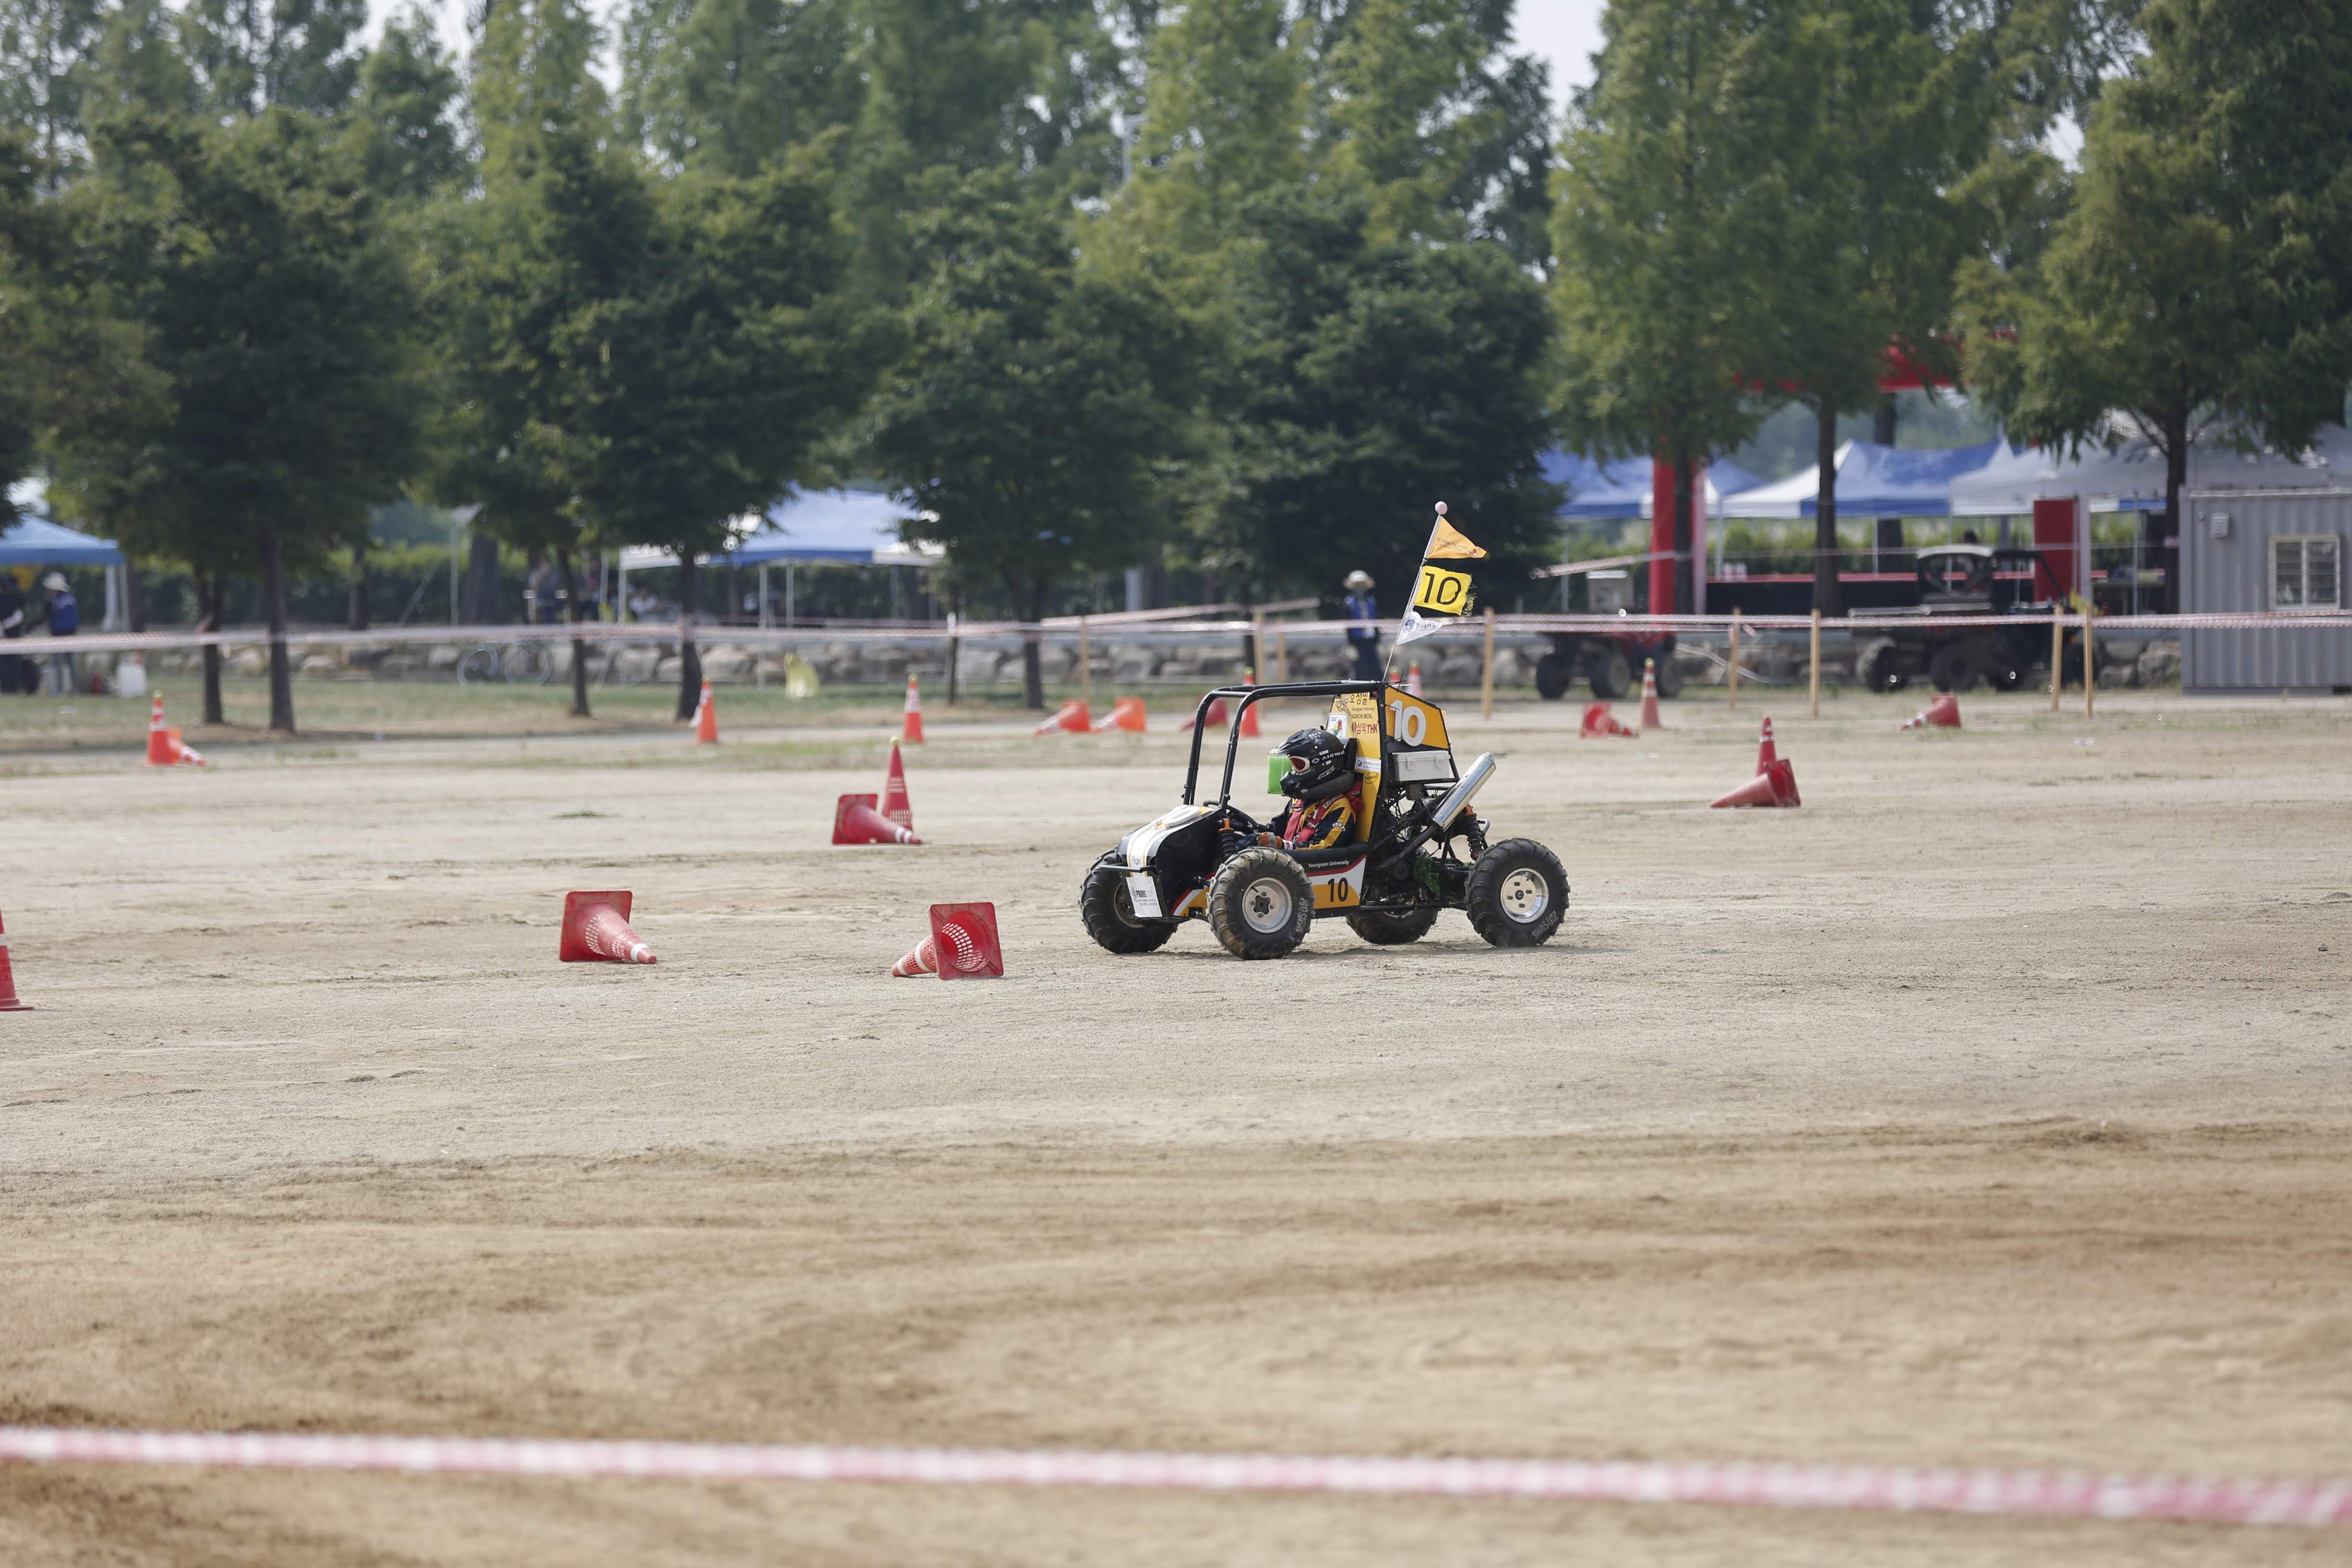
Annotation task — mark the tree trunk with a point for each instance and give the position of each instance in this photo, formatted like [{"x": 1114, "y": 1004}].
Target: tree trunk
[
  {"x": 1882, "y": 427},
  {"x": 1827, "y": 598},
  {"x": 281, "y": 672},
  {"x": 212, "y": 593},
  {"x": 1033, "y": 674},
  {"x": 1685, "y": 595},
  {"x": 2176, "y": 479},
  {"x": 571, "y": 598},
  {"x": 358, "y": 618},
  {"x": 134, "y": 612},
  {"x": 479, "y": 605},
  {"x": 689, "y": 662}
]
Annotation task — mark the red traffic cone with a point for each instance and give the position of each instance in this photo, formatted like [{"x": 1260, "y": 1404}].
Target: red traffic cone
[
  {"x": 8, "y": 1003},
  {"x": 705, "y": 719},
  {"x": 963, "y": 939},
  {"x": 1598, "y": 722},
  {"x": 1766, "y": 754},
  {"x": 1249, "y": 712},
  {"x": 923, "y": 958},
  {"x": 1072, "y": 718},
  {"x": 911, "y": 730},
  {"x": 1217, "y": 715},
  {"x": 1649, "y": 720},
  {"x": 1776, "y": 786},
  {"x": 159, "y": 740},
  {"x": 596, "y": 931},
  {"x": 1126, "y": 714},
  {"x": 1413, "y": 678},
  {"x": 855, "y": 821},
  {"x": 895, "y": 804},
  {"x": 1944, "y": 713}
]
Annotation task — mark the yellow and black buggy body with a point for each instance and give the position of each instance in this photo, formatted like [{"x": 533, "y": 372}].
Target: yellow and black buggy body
[{"x": 1416, "y": 849}]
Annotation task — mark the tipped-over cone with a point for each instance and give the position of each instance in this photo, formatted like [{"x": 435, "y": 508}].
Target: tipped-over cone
[
  {"x": 1776, "y": 786},
  {"x": 855, "y": 821},
  {"x": 1126, "y": 714},
  {"x": 923, "y": 958},
  {"x": 1598, "y": 722},
  {"x": 596, "y": 929},
  {"x": 1217, "y": 715},
  {"x": 1073, "y": 717},
  {"x": 1944, "y": 713}
]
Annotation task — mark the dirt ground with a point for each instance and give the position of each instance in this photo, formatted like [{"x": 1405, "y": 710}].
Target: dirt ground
[{"x": 1992, "y": 1110}]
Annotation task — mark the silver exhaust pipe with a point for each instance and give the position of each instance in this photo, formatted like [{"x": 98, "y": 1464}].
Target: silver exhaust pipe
[{"x": 1457, "y": 800}]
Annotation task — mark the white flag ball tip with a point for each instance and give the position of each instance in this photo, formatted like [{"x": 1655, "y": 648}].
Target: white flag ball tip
[{"x": 1441, "y": 508}]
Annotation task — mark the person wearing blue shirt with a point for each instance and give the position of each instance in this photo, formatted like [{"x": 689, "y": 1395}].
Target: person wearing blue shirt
[
  {"x": 63, "y": 616},
  {"x": 1363, "y": 640}
]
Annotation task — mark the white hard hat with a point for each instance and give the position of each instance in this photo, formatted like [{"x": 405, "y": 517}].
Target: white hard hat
[
  {"x": 1359, "y": 578},
  {"x": 55, "y": 581}
]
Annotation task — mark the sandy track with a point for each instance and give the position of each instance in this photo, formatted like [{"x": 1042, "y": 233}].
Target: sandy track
[{"x": 1992, "y": 1110}]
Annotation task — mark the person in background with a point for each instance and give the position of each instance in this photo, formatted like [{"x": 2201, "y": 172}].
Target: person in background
[
  {"x": 546, "y": 588},
  {"x": 63, "y": 616},
  {"x": 1363, "y": 640},
  {"x": 16, "y": 674}
]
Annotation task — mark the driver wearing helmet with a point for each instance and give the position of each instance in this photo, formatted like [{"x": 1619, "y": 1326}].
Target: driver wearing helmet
[{"x": 1326, "y": 794}]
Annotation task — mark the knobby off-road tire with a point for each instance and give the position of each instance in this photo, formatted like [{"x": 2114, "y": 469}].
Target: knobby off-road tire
[
  {"x": 1260, "y": 904},
  {"x": 1552, "y": 675},
  {"x": 1611, "y": 673},
  {"x": 1517, "y": 894},
  {"x": 1954, "y": 668},
  {"x": 1670, "y": 677},
  {"x": 1385, "y": 928},
  {"x": 1110, "y": 915},
  {"x": 1876, "y": 668}
]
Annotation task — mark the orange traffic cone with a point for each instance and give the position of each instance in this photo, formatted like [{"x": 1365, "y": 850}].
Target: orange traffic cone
[
  {"x": 1249, "y": 712},
  {"x": 1766, "y": 752},
  {"x": 1126, "y": 714},
  {"x": 911, "y": 730},
  {"x": 164, "y": 747},
  {"x": 855, "y": 821},
  {"x": 896, "y": 805},
  {"x": 1649, "y": 720},
  {"x": 1073, "y": 717},
  {"x": 1776, "y": 786},
  {"x": 923, "y": 958},
  {"x": 1598, "y": 722},
  {"x": 1944, "y": 713},
  {"x": 1217, "y": 715},
  {"x": 705, "y": 719},
  {"x": 1413, "y": 678},
  {"x": 8, "y": 1003},
  {"x": 596, "y": 931}
]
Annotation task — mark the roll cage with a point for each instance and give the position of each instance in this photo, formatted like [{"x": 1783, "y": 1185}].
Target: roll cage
[{"x": 1243, "y": 696}]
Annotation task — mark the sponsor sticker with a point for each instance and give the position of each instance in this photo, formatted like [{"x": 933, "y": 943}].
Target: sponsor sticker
[{"x": 1144, "y": 896}]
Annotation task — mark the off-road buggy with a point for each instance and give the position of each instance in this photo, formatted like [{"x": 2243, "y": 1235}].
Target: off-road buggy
[{"x": 1418, "y": 850}]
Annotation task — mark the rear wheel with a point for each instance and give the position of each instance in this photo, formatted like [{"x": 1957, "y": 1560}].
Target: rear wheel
[
  {"x": 1260, "y": 904},
  {"x": 1110, "y": 915},
  {"x": 1612, "y": 675},
  {"x": 1552, "y": 675},
  {"x": 1954, "y": 669},
  {"x": 1876, "y": 668},
  {"x": 1387, "y": 928},
  {"x": 1517, "y": 894},
  {"x": 1670, "y": 677}
]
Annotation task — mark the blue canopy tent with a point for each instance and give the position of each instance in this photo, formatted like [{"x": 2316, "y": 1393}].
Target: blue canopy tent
[
  {"x": 1872, "y": 481},
  {"x": 1620, "y": 489},
  {"x": 34, "y": 540},
  {"x": 808, "y": 527}
]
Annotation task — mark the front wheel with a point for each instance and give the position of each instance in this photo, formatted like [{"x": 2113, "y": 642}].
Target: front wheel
[
  {"x": 1878, "y": 669},
  {"x": 481, "y": 667},
  {"x": 1517, "y": 894},
  {"x": 1552, "y": 675},
  {"x": 1611, "y": 674},
  {"x": 1670, "y": 677},
  {"x": 1110, "y": 915},
  {"x": 1393, "y": 928},
  {"x": 1260, "y": 904}
]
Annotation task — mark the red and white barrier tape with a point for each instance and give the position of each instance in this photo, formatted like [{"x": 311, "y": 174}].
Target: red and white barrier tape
[{"x": 1865, "y": 1488}]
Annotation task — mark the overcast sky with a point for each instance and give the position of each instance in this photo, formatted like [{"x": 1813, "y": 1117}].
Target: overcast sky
[{"x": 1562, "y": 31}]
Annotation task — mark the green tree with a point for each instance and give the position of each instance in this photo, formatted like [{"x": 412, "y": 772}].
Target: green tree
[
  {"x": 1041, "y": 396},
  {"x": 46, "y": 49},
  {"x": 727, "y": 86},
  {"x": 251, "y": 262},
  {"x": 1667, "y": 219},
  {"x": 2203, "y": 270},
  {"x": 409, "y": 92},
  {"x": 253, "y": 54}
]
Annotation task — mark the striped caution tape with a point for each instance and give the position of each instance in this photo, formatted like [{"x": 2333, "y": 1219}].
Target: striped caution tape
[{"x": 1857, "y": 1487}]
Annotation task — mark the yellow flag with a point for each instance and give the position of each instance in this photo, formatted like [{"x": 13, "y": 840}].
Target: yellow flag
[
  {"x": 1446, "y": 543},
  {"x": 1441, "y": 593}
]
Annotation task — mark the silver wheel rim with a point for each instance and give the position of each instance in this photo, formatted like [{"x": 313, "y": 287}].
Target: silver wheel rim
[
  {"x": 1265, "y": 906},
  {"x": 1525, "y": 896}
]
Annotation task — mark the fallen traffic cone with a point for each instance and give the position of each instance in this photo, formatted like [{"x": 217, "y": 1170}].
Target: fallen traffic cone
[
  {"x": 1776, "y": 786},
  {"x": 923, "y": 958},
  {"x": 911, "y": 731},
  {"x": 1766, "y": 752},
  {"x": 596, "y": 931},
  {"x": 1413, "y": 678},
  {"x": 855, "y": 821},
  {"x": 164, "y": 747},
  {"x": 1249, "y": 711},
  {"x": 1126, "y": 714},
  {"x": 963, "y": 941},
  {"x": 1072, "y": 718},
  {"x": 1600, "y": 722},
  {"x": 896, "y": 805},
  {"x": 1944, "y": 713},
  {"x": 1217, "y": 715},
  {"x": 8, "y": 1003},
  {"x": 705, "y": 719},
  {"x": 1649, "y": 720}
]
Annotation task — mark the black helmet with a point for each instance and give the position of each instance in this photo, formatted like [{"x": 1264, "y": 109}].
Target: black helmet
[{"x": 1321, "y": 765}]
